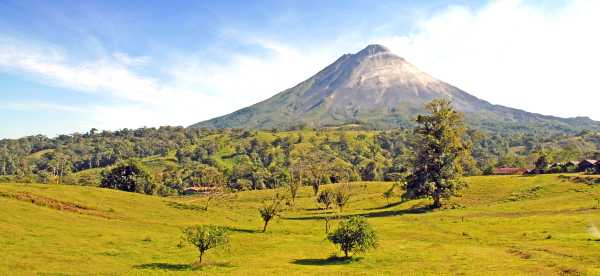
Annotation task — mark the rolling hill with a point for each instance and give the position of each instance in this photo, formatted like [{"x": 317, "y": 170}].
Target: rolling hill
[
  {"x": 379, "y": 89},
  {"x": 502, "y": 225}
]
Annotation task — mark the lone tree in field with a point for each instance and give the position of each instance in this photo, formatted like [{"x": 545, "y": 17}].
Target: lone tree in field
[
  {"x": 354, "y": 235},
  {"x": 439, "y": 149},
  {"x": 205, "y": 237},
  {"x": 271, "y": 209}
]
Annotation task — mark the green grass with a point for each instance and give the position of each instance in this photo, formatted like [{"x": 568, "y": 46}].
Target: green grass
[{"x": 500, "y": 226}]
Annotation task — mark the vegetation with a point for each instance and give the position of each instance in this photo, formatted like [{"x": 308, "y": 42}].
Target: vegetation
[
  {"x": 205, "y": 237},
  {"x": 266, "y": 159},
  {"x": 271, "y": 209},
  {"x": 439, "y": 150},
  {"x": 326, "y": 198},
  {"x": 354, "y": 235},
  {"x": 341, "y": 195},
  {"x": 129, "y": 176},
  {"x": 131, "y": 234}
]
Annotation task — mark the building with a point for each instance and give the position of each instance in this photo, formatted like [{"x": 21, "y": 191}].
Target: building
[{"x": 509, "y": 171}]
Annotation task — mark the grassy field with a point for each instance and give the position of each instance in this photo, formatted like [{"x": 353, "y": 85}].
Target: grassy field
[{"x": 500, "y": 226}]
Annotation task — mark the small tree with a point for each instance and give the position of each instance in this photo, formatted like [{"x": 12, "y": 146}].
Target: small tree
[
  {"x": 342, "y": 194},
  {"x": 326, "y": 197},
  {"x": 389, "y": 194},
  {"x": 271, "y": 209},
  {"x": 541, "y": 164},
  {"x": 205, "y": 237},
  {"x": 293, "y": 187},
  {"x": 354, "y": 235}
]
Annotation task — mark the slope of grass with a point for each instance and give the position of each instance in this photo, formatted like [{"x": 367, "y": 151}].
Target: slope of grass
[{"x": 500, "y": 226}]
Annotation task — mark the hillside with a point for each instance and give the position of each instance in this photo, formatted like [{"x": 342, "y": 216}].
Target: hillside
[
  {"x": 500, "y": 226},
  {"x": 378, "y": 89}
]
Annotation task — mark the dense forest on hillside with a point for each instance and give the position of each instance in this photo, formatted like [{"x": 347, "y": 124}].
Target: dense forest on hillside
[{"x": 177, "y": 156}]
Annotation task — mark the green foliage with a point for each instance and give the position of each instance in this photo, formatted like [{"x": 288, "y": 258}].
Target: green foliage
[
  {"x": 326, "y": 198},
  {"x": 130, "y": 176},
  {"x": 341, "y": 195},
  {"x": 541, "y": 164},
  {"x": 354, "y": 235},
  {"x": 205, "y": 237},
  {"x": 271, "y": 209},
  {"x": 439, "y": 149}
]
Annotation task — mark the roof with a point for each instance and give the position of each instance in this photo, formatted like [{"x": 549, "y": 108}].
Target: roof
[
  {"x": 591, "y": 161},
  {"x": 507, "y": 170}
]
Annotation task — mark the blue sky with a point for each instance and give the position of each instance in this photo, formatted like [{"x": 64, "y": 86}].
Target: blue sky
[{"x": 68, "y": 66}]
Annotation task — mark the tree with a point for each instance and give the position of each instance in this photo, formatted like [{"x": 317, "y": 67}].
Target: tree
[
  {"x": 389, "y": 193},
  {"x": 342, "y": 194},
  {"x": 439, "y": 150},
  {"x": 205, "y": 237},
  {"x": 130, "y": 176},
  {"x": 271, "y": 209},
  {"x": 326, "y": 197},
  {"x": 541, "y": 164},
  {"x": 354, "y": 235}
]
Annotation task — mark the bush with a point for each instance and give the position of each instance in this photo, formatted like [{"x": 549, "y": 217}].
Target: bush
[
  {"x": 354, "y": 235},
  {"x": 342, "y": 194},
  {"x": 326, "y": 197},
  {"x": 205, "y": 237},
  {"x": 129, "y": 176}
]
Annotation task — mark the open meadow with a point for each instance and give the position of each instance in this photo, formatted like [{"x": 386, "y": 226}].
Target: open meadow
[{"x": 500, "y": 225}]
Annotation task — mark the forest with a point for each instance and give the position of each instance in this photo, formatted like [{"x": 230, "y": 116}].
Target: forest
[{"x": 178, "y": 157}]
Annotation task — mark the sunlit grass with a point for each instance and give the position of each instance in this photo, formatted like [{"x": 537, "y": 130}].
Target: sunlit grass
[{"x": 501, "y": 225}]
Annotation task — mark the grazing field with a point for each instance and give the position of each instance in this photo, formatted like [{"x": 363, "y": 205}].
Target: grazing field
[{"x": 501, "y": 225}]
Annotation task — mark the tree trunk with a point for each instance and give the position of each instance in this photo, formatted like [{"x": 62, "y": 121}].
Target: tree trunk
[
  {"x": 200, "y": 258},
  {"x": 346, "y": 253},
  {"x": 265, "y": 226},
  {"x": 437, "y": 202}
]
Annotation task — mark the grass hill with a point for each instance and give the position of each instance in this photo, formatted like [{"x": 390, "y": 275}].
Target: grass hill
[{"x": 501, "y": 225}]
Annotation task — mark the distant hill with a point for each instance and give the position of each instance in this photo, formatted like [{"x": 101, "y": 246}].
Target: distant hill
[{"x": 379, "y": 89}]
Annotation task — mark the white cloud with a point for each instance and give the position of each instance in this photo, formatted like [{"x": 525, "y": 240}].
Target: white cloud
[
  {"x": 514, "y": 54},
  {"x": 33, "y": 106},
  {"x": 508, "y": 52},
  {"x": 196, "y": 90}
]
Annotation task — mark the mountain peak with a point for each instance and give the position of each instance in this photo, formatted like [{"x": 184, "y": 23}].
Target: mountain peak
[{"x": 373, "y": 49}]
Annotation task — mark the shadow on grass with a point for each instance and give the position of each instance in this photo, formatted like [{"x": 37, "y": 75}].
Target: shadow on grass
[
  {"x": 387, "y": 206},
  {"x": 334, "y": 260},
  {"x": 241, "y": 230},
  {"x": 390, "y": 213},
  {"x": 181, "y": 267},
  {"x": 165, "y": 266},
  {"x": 182, "y": 206}
]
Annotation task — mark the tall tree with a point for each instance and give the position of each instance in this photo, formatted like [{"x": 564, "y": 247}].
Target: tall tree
[{"x": 438, "y": 151}]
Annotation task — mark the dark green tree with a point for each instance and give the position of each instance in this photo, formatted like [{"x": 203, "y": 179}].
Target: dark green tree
[
  {"x": 354, "y": 235},
  {"x": 438, "y": 151},
  {"x": 130, "y": 176}
]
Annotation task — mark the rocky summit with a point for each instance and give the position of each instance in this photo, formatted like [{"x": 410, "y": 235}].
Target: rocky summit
[{"x": 378, "y": 89}]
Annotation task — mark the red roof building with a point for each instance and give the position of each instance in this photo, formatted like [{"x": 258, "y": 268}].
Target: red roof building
[{"x": 508, "y": 171}]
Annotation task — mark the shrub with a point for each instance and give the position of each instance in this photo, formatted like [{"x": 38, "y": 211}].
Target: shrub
[
  {"x": 326, "y": 197},
  {"x": 354, "y": 235},
  {"x": 342, "y": 195},
  {"x": 205, "y": 237}
]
